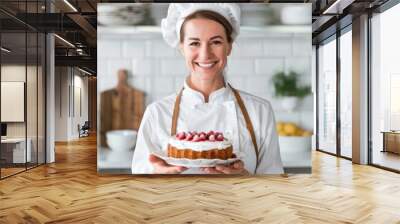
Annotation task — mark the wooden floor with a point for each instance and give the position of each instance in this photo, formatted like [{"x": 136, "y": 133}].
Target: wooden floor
[
  {"x": 10, "y": 171},
  {"x": 70, "y": 191}
]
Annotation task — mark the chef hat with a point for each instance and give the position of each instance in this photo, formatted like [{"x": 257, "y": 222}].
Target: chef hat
[{"x": 177, "y": 12}]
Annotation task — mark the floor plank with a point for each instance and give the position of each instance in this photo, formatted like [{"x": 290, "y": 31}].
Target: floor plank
[{"x": 71, "y": 191}]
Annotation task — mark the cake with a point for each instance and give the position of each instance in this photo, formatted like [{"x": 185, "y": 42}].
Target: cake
[{"x": 193, "y": 145}]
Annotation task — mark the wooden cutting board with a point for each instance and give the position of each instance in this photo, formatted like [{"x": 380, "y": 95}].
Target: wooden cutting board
[{"x": 120, "y": 110}]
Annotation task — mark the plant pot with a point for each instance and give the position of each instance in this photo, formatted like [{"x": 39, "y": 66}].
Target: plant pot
[{"x": 289, "y": 103}]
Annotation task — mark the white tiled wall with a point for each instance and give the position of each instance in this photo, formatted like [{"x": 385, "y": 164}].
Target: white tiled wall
[{"x": 159, "y": 70}]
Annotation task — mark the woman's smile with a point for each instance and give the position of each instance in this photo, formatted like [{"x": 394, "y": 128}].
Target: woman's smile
[{"x": 206, "y": 65}]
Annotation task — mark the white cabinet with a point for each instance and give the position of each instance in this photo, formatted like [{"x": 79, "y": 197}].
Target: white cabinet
[
  {"x": 18, "y": 149},
  {"x": 295, "y": 151}
]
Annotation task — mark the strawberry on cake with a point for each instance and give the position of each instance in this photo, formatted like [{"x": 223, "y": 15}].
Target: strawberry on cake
[{"x": 193, "y": 145}]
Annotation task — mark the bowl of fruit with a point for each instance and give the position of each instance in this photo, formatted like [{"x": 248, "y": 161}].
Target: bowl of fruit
[
  {"x": 293, "y": 138},
  {"x": 295, "y": 145},
  {"x": 291, "y": 129}
]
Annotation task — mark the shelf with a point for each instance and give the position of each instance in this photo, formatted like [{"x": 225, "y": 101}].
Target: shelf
[{"x": 245, "y": 30}]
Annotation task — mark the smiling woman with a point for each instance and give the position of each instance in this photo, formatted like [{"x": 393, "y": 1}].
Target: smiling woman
[
  {"x": 204, "y": 34},
  {"x": 205, "y": 49}
]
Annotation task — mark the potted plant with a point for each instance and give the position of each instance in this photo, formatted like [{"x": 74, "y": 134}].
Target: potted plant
[{"x": 287, "y": 88}]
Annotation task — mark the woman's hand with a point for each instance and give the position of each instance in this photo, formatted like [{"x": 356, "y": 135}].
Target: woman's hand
[
  {"x": 162, "y": 167},
  {"x": 233, "y": 168}
]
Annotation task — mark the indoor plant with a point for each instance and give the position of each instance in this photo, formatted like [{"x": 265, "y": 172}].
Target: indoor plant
[{"x": 287, "y": 88}]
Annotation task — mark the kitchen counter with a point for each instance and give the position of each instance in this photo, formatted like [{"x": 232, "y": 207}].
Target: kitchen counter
[{"x": 115, "y": 162}]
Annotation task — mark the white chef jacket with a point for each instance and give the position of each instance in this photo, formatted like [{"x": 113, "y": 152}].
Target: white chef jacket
[{"x": 221, "y": 113}]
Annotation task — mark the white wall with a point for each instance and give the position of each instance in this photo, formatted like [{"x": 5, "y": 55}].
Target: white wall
[
  {"x": 159, "y": 70},
  {"x": 33, "y": 125},
  {"x": 61, "y": 103},
  {"x": 79, "y": 117},
  {"x": 69, "y": 79},
  {"x": 12, "y": 73}
]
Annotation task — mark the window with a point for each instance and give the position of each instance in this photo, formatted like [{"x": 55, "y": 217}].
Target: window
[
  {"x": 385, "y": 89},
  {"x": 22, "y": 68},
  {"x": 327, "y": 97},
  {"x": 346, "y": 94}
]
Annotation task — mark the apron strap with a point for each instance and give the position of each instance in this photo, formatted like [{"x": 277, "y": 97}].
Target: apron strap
[
  {"x": 249, "y": 125},
  {"x": 242, "y": 107},
  {"x": 175, "y": 114}
]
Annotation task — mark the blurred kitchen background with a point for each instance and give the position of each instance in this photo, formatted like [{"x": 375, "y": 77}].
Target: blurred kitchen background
[{"x": 275, "y": 41}]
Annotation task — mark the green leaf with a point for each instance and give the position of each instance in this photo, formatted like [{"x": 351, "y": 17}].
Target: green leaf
[{"x": 287, "y": 85}]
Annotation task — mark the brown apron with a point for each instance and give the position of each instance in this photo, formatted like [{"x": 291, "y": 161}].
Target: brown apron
[{"x": 239, "y": 100}]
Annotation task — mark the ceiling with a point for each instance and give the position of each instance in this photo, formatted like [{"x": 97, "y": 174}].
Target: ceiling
[
  {"x": 332, "y": 15},
  {"x": 77, "y": 23}
]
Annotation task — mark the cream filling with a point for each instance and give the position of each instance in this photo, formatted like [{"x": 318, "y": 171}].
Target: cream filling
[{"x": 199, "y": 146}]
